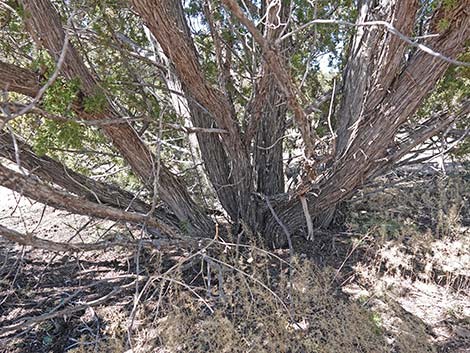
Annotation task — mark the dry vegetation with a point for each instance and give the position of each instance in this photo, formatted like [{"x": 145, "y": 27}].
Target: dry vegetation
[{"x": 394, "y": 280}]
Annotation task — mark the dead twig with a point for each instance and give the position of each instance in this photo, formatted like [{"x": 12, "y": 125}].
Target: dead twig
[{"x": 30, "y": 321}]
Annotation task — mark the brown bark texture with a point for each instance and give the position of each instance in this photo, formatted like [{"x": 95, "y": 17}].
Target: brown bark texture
[
  {"x": 17, "y": 79},
  {"x": 166, "y": 22},
  {"x": 49, "y": 170},
  {"x": 42, "y": 18},
  {"x": 383, "y": 85}
]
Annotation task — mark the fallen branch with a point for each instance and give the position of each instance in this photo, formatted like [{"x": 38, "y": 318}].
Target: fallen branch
[
  {"x": 30, "y": 321},
  {"x": 35, "y": 189},
  {"x": 28, "y": 239},
  {"x": 430, "y": 128}
]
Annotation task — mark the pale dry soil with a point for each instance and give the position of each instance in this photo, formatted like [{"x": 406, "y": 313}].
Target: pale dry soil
[{"x": 422, "y": 281}]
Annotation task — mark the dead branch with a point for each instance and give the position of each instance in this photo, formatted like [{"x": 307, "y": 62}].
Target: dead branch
[
  {"x": 30, "y": 321},
  {"x": 283, "y": 77},
  {"x": 28, "y": 239},
  {"x": 429, "y": 129},
  {"x": 33, "y": 188}
]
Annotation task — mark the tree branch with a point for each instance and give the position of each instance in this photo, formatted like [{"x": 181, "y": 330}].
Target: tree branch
[
  {"x": 284, "y": 79},
  {"x": 52, "y": 171},
  {"x": 35, "y": 189},
  {"x": 17, "y": 79},
  {"x": 374, "y": 60},
  {"x": 43, "y": 20},
  {"x": 430, "y": 128}
]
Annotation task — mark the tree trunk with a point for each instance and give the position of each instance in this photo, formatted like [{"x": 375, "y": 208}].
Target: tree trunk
[
  {"x": 373, "y": 63},
  {"x": 366, "y": 152},
  {"x": 216, "y": 162},
  {"x": 267, "y": 114},
  {"x": 166, "y": 21},
  {"x": 268, "y": 144},
  {"x": 42, "y": 18},
  {"x": 270, "y": 108}
]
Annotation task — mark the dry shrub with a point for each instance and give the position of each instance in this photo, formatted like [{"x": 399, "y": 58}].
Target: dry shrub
[
  {"x": 250, "y": 318},
  {"x": 420, "y": 229},
  {"x": 112, "y": 337}
]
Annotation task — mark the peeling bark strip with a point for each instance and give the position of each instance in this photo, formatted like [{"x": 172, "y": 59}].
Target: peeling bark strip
[
  {"x": 166, "y": 22},
  {"x": 45, "y": 25},
  {"x": 34, "y": 189},
  {"x": 373, "y": 63}
]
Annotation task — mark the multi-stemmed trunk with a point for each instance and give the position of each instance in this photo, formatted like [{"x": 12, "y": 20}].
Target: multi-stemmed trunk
[{"x": 383, "y": 86}]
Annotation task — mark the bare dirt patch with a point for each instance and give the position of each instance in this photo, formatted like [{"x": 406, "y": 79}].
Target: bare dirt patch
[{"x": 395, "y": 280}]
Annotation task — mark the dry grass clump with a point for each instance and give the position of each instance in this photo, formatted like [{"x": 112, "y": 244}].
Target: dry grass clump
[
  {"x": 264, "y": 309},
  {"x": 110, "y": 338},
  {"x": 418, "y": 260},
  {"x": 420, "y": 229},
  {"x": 237, "y": 300}
]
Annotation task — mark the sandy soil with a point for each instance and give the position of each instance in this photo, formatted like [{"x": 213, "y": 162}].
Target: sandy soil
[{"x": 34, "y": 282}]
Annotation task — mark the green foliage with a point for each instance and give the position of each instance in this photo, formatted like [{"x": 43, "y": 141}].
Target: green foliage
[
  {"x": 443, "y": 25},
  {"x": 377, "y": 320},
  {"x": 449, "y": 4},
  {"x": 42, "y": 63},
  {"x": 13, "y": 34},
  {"x": 58, "y": 99},
  {"x": 384, "y": 224},
  {"x": 95, "y": 104},
  {"x": 184, "y": 226},
  {"x": 58, "y": 135},
  {"x": 60, "y": 96}
]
